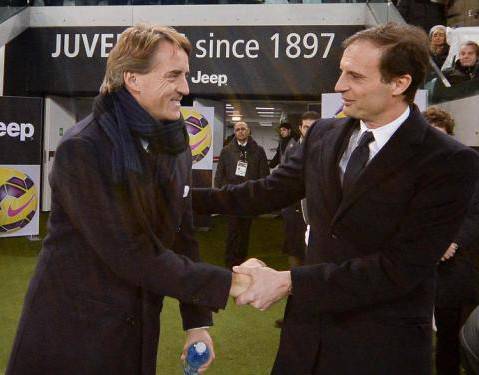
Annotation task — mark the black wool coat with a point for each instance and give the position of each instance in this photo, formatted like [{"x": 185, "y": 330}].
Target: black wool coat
[
  {"x": 112, "y": 252},
  {"x": 363, "y": 302}
]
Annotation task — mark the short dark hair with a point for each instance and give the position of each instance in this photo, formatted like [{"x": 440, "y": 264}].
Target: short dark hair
[
  {"x": 405, "y": 51},
  {"x": 310, "y": 115},
  {"x": 285, "y": 125},
  {"x": 440, "y": 118}
]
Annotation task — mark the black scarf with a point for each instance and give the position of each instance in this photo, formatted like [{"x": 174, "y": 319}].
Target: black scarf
[{"x": 122, "y": 118}]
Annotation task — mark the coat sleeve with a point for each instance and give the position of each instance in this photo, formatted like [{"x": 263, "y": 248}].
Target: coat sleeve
[
  {"x": 88, "y": 198},
  {"x": 409, "y": 257},
  {"x": 185, "y": 244}
]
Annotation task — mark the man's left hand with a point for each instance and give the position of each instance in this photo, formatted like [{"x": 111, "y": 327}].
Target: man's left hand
[
  {"x": 267, "y": 286},
  {"x": 195, "y": 335}
]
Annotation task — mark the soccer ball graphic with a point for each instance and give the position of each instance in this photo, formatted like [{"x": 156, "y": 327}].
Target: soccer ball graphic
[
  {"x": 18, "y": 200},
  {"x": 340, "y": 113},
  {"x": 199, "y": 130}
]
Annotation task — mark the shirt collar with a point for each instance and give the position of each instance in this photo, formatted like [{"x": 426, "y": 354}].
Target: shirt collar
[
  {"x": 242, "y": 143},
  {"x": 144, "y": 144},
  {"x": 385, "y": 132}
]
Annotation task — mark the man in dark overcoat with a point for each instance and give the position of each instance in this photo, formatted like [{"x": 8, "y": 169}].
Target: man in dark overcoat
[
  {"x": 120, "y": 231},
  {"x": 286, "y": 142},
  {"x": 386, "y": 193},
  {"x": 242, "y": 159}
]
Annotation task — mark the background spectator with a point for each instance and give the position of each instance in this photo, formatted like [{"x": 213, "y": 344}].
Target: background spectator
[
  {"x": 466, "y": 66},
  {"x": 457, "y": 287},
  {"x": 240, "y": 160},
  {"x": 440, "y": 119},
  {"x": 286, "y": 141},
  {"x": 438, "y": 44}
]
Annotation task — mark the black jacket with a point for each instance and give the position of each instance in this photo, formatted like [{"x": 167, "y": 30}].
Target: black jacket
[
  {"x": 283, "y": 146},
  {"x": 229, "y": 157},
  {"x": 460, "y": 73}
]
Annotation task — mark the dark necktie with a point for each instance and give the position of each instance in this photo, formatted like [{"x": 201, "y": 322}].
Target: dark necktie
[{"x": 357, "y": 161}]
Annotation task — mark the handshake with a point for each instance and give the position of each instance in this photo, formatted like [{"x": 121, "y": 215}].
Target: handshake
[
  {"x": 256, "y": 284},
  {"x": 252, "y": 283}
]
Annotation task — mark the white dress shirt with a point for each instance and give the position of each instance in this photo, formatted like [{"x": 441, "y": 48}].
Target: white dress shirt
[{"x": 144, "y": 144}]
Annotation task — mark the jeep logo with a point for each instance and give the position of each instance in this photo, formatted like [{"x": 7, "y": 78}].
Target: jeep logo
[
  {"x": 14, "y": 130},
  {"x": 215, "y": 79}
]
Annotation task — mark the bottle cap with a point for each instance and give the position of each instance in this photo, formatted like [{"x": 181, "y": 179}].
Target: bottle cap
[{"x": 200, "y": 347}]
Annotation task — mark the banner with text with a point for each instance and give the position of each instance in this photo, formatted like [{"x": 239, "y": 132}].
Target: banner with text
[{"x": 276, "y": 61}]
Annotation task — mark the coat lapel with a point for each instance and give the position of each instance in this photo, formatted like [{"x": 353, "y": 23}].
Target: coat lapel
[
  {"x": 332, "y": 147},
  {"x": 397, "y": 151}
]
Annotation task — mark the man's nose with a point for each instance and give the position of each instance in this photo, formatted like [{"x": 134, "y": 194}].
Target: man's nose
[
  {"x": 340, "y": 84},
  {"x": 183, "y": 87}
]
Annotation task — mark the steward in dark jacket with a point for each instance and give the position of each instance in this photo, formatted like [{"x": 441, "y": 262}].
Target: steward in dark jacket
[
  {"x": 229, "y": 156},
  {"x": 241, "y": 160}
]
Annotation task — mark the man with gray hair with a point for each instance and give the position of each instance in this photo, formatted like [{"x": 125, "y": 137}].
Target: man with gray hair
[
  {"x": 120, "y": 233},
  {"x": 466, "y": 67}
]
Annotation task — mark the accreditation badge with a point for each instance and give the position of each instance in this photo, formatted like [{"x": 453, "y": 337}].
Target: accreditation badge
[{"x": 241, "y": 168}]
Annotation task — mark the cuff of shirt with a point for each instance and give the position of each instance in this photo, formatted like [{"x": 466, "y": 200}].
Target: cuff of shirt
[{"x": 194, "y": 329}]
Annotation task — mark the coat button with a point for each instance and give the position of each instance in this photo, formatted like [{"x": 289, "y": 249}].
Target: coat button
[
  {"x": 130, "y": 320},
  {"x": 334, "y": 236}
]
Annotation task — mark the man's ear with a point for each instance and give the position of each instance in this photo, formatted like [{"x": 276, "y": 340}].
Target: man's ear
[
  {"x": 131, "y": 82},
  {"x": 400, "y": 84}
]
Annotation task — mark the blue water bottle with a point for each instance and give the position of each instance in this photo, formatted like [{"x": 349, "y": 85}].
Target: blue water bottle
[{"x": 197, "y": 355}]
